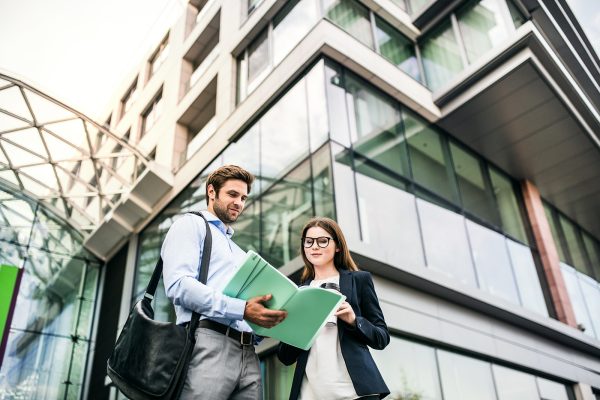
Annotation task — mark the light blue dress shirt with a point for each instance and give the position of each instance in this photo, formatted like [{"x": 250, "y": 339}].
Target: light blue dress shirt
[{"x": 181, "y": 253}]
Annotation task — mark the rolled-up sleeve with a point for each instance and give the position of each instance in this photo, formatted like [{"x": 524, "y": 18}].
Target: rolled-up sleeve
[{"x": 181, "y": 253}]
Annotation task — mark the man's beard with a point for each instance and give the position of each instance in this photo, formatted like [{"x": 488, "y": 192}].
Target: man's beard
[{"x": 222, "y": 213}]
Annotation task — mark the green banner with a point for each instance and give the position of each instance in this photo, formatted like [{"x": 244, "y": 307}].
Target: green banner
[{"x": 10, "y": 277}]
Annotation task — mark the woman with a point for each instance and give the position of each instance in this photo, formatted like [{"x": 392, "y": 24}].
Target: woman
[{"x": 338, "y": 365}]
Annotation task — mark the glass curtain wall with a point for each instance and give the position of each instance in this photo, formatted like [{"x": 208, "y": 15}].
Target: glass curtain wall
[
  {"x": 579, "y": 254},
  {"x": 294, "y": 182},
  {"x": 297, "y": 18},
  {"x": 465, "y": 36},
  {"x": 49, "y": 338},
  {"x": 413, "y": 197},
  {"x": 416, "y": 371},
  {"x": 458, "y": 41}
]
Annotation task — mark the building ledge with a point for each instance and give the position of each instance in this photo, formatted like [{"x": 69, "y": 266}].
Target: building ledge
[{"x": 132, "y": 209}]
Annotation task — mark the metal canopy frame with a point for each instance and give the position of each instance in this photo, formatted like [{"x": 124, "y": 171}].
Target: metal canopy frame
[{"x": 57, "y": 155}]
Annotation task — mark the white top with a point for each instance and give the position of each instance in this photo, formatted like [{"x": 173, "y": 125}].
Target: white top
[{"x": 326, "y": 376}]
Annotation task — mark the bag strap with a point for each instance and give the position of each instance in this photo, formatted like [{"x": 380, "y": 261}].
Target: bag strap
[{"x": 202, "y": 276}]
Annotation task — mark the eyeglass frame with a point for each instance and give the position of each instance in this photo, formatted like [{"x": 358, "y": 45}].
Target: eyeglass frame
[{"x": 315, "y": 240}]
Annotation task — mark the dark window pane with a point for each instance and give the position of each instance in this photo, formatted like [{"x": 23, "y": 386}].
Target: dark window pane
[
  {"x": 570, "y": 233},
  {"x": 428, "y": 157},
  {"x": 474, "y": 189},
  {"x": 376, "y": 123},
  {"x": 258, "y": 56},
  {"x": 592, "y": 248},
  {"x": 510, "y": 214},
  {"x": 557, "y": 241}
]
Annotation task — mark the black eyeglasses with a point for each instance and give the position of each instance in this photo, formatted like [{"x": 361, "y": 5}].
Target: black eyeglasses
[{"x": 322, "y": 241}]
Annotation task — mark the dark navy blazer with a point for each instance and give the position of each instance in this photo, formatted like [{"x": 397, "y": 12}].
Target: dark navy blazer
[{"x": 371, "y": 330}]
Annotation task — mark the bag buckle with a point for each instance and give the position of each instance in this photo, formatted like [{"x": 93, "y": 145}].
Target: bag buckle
[{"x": 246, "y": 339}]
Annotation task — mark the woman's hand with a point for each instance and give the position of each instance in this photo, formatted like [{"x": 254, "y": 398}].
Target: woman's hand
[{"x": 346, "y": 314}]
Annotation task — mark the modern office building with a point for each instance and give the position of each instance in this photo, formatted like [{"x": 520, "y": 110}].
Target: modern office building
[{"x": 456, "y": 142}]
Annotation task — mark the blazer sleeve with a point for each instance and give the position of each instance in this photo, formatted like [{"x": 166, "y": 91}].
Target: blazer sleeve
[
  {"x": 371, "y": 328},
  {"x": 287, "y": 353}
]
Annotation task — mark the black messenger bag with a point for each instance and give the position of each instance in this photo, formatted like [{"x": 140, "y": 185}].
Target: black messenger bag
[{"x": 150, "y": 358}]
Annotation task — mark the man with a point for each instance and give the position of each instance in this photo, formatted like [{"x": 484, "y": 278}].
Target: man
[{"x": 224, "y": 364}]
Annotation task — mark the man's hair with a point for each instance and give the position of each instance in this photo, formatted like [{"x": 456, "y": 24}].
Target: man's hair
[{"x": 222, "y": 174}]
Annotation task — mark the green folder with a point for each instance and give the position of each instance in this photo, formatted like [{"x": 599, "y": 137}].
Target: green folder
[{"x": 308, "y": 307}]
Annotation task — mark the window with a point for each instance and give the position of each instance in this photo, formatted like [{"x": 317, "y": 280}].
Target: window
[
  {"x": 291, "y": 24},
  {"x": 482, "y": 28},
  {"x": 441, "y": 56},
  {"x": 351, "y": 16},
  {"x": 159, "y": 57},
  {"x": 258, "y": 56},
  {"x": 129, "y": 98},
  {"x": 152, "y": 113},
  {"x": 397, "y": 48}
]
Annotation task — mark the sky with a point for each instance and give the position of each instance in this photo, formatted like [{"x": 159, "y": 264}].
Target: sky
[
  {"x": 81, "y": 51},
  {"x": 588, "y": 15}
]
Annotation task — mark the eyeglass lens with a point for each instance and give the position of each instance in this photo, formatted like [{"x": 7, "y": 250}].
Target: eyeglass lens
[{"x": 322, "y": 241}]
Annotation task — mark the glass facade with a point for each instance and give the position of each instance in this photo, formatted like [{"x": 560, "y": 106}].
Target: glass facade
[
  {"x": 293, "y": 184},
  {"x": 416, "y": 371},
  {"x": 408, "y": 195},
  {"x": 579, "y": 254},
  {"x": 49, "y": 338},
  {"x": 442, "y": 206}
]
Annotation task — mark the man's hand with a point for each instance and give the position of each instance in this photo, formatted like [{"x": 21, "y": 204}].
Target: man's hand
[{"x": 258, "y": 314}]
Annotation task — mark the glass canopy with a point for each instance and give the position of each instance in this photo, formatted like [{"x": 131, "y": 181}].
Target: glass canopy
[{"x": 59, "y": 156}]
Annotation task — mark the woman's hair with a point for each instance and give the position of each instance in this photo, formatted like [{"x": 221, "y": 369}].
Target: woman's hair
[{"x": 342, "y": 258}]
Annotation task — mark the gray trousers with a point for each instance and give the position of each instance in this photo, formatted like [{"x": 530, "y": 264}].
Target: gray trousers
[{"x": 221, "y": 368}]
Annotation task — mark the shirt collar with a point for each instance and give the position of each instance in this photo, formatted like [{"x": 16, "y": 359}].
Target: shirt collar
[{"x": 213, "y": 219}]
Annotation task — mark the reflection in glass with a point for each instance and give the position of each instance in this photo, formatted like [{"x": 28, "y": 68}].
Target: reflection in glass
[
  {"x": 318, "y": 122},
  {"x": 336, "y": 104},
  {"x": 515, "y": 14},
  {"x": 286, "y": 207},
  {"x": 291, "y": 24},
  {"x": 474, "y": 190},
  {"x": 441, "y": 56},
  {"x": 490, "y": 255},
  {"x": 553, "y": 228},
  {"x": 322, "y": 181},
  {"x": 528, "y": 281},
  {"x": 277, "y": 378},
  {"x": 514, "y": 385},
  {"x": 409, "y": 369},
  {"x": 508, "y": 206},
  {"x": 258, "y": 56},
  {"x": 351, "y": 16},
  {"x": 465, "y": 378},
  {"x": 376, "y": 127},
  {"x": 397, "y": 48},
  {"x": 283, "y": 145},
  {"x": 430, "y": 165},
  {"x": 482, "y": 27},
  {"x": 593, "y": 251},
  {"x": 444, "y": 234},
  {"x": 573, "y": 245}
]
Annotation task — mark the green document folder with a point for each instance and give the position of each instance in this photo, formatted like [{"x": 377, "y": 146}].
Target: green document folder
[{"x": 308, "y": 307}]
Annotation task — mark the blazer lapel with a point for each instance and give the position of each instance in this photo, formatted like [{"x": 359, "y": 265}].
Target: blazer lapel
[{"x": 346, "y": 283}]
